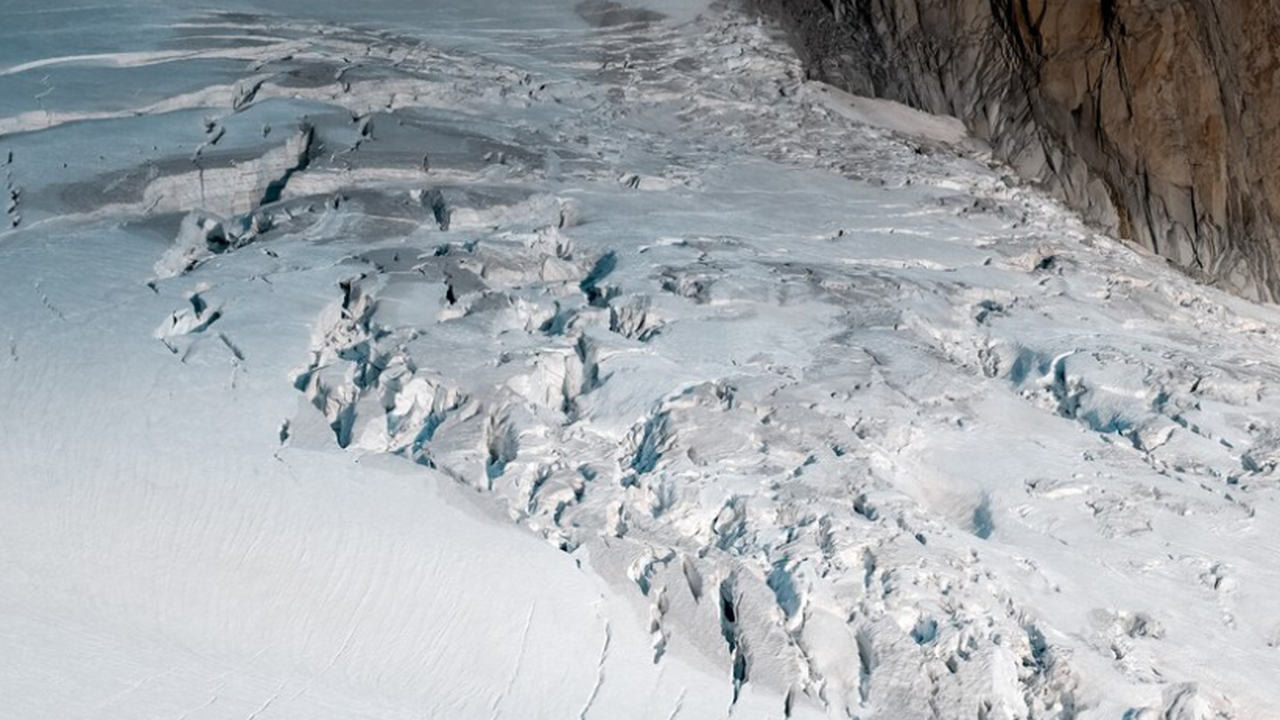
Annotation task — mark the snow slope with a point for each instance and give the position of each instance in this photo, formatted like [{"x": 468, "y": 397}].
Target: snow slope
[{"x": 584, "y": 361}]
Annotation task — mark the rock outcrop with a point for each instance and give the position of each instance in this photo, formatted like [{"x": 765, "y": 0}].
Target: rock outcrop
[{"x": 1158, "y": 119}]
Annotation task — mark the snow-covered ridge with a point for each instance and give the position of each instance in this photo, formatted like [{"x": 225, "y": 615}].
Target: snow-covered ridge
[{"x": 816, "y": 418}]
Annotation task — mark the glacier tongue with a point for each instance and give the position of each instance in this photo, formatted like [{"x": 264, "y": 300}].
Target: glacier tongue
[{"x": 311, "y": 348}]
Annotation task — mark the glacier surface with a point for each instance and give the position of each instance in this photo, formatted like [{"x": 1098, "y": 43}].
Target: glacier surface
[{"x": 579, "y": 360}]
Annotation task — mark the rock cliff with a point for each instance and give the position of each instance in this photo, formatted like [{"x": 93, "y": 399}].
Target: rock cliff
[{"x": 1158, "y": 119}]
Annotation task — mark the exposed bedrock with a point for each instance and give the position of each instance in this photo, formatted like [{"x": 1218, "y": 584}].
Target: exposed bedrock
[{"x": 1158, "y": 119}]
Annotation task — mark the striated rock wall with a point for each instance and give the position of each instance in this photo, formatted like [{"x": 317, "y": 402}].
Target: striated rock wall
[{"x": 1158, "y": 119}]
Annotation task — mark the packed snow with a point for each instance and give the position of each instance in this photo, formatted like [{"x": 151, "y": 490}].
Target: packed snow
[{"x": 582, "y": 360}]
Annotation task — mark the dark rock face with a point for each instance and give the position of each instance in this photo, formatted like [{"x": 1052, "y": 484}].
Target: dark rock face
[{"x": 1158, "y": 119}]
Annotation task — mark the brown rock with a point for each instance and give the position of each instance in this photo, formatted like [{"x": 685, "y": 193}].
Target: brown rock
[{"x": 1158, "y": 119}]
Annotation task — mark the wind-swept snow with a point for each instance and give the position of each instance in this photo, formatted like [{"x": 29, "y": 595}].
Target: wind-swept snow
[{"x": 595, "y": 365}]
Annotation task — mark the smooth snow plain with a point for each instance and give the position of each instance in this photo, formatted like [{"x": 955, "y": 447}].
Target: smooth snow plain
[{"x": 576, "y": 360}]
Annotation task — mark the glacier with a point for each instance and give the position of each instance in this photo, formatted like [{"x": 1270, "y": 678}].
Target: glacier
[{"x": 582, "y": 360}]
